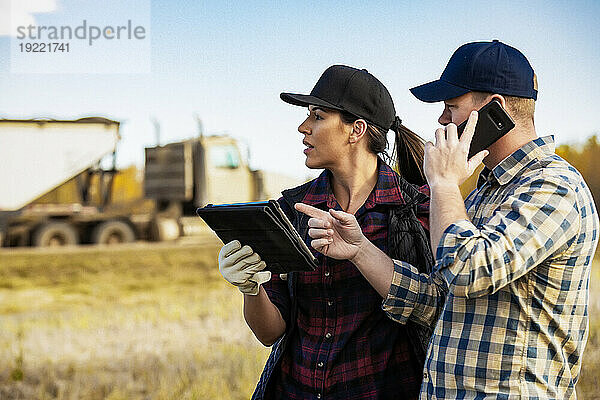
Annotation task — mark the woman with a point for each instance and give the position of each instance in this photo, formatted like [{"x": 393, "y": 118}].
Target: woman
[{"x": 331, "y": 338}]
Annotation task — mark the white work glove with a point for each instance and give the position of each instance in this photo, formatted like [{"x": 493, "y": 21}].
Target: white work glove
[{"x": 242, "y": 267}]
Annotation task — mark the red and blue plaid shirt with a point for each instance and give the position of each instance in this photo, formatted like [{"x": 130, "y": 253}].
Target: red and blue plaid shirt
[{"x": 345, "y": 347}]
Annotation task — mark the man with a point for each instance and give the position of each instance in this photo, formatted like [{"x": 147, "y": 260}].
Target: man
[{"x": 515, "y": 257}]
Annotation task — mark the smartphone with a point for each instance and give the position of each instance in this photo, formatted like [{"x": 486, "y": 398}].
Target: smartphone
[{"x": 493, "y": 123}]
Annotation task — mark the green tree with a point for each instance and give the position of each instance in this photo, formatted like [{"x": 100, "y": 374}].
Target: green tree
[{"x": 582, "y": 157}]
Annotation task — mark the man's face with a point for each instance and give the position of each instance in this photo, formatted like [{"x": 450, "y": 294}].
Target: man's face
[{"x": 458, "y": 109}]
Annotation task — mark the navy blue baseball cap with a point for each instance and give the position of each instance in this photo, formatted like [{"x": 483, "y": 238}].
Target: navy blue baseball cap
[{"x": 492, "y": 67}]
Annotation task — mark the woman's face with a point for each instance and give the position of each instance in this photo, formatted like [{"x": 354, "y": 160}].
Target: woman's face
[{"x": 325, "y": 138}]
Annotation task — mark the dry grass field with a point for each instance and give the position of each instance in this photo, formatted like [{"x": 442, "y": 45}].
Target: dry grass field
[
  {"x": 143, "y": 323},
  {"x": 149, "y": 323}
]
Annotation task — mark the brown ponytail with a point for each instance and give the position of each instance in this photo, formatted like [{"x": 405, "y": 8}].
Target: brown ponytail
[
  {"x": 409, "y": 148},
  {"x": 408, "y": 154}
]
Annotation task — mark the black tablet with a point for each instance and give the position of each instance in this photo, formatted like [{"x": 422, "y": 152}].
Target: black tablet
[{"x": 264, "y": 227}]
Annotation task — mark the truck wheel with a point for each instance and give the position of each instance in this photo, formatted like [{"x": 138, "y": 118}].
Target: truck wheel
[
  {"x": 165, "y": 229},
  {"x": 54, "y": 234},
  {"x": 113, "y": 232}
]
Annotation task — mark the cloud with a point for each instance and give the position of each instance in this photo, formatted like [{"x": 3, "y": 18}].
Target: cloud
[{"x": 15, "y": 13}]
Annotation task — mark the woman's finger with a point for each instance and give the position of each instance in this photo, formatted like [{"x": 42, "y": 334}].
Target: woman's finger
[
  {"x": 318, "y": 223},
  {"x": 341, "y": 216},
  {"x": 317, "y": 244},
  {"x": 320, "y": 233},
  {"x": 310, "y": 210}
]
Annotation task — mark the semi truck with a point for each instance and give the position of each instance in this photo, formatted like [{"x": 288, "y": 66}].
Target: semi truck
[{"x": 45, "y": 158}]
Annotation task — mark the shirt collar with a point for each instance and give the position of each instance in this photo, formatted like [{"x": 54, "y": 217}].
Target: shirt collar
[
  {"x": 386, "y": 190},
  {"x": 514, "y": 164}
]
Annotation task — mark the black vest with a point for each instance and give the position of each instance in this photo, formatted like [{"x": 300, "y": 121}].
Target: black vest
[{"x": 407, "y": 241}]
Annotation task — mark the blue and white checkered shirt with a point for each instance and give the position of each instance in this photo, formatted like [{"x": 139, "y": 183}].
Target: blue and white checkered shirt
[{"x": 515, "y": 321}]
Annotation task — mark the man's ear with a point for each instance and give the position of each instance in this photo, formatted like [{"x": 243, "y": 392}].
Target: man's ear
[
  {"x": 500, "y": 99},
  {"x": 359, "y": 128}
]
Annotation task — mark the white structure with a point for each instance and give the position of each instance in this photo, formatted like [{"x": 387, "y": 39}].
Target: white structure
[{"x": 36, "y": 156}]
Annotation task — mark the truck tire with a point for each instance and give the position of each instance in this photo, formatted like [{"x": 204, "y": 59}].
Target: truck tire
[
  {"x": 113, "y": 232},
  {"x": 54, "y": 234},
  {"x": 165, "y": 229}
]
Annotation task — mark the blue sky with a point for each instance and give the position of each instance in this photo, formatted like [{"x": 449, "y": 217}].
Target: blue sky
[{"x": 227, "y": 62}]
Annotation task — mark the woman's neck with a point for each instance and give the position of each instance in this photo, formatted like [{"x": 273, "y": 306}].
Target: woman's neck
[{"x": 353, "y": 182}]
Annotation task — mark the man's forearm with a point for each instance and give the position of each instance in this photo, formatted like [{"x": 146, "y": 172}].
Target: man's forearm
[
  {"x": 406, "y": 292},
  {"x": 446, "y": 207}
]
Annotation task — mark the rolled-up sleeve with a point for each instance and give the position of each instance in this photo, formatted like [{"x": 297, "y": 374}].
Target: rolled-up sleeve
[
  {"x": 278, "y": 293},
  {"x": 414, "y": 296},
  {"x": 539, "y": 219}
]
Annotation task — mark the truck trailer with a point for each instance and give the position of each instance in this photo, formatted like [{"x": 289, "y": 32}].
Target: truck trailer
[{"x": 41, "y": 157}]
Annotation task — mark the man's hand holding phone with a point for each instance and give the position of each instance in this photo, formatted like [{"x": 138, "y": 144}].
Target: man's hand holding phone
[{"x": 446, "y": 162}]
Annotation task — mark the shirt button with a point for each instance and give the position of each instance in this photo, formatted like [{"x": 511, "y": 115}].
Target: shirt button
[
  {"x": 328, "y": 335},
  {"x": 320, "y": 364},
  {"x": 318, "y": 395},
  {"x": 327, "y": 273}
]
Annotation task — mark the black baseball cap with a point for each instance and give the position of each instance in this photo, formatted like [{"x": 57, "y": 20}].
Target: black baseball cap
[
  {"x": 352, "y": 90},
  {"x": 492, "y": 67}
]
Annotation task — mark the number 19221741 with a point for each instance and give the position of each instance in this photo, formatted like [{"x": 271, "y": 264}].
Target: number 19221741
[{"x": 44, "y": 47}]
